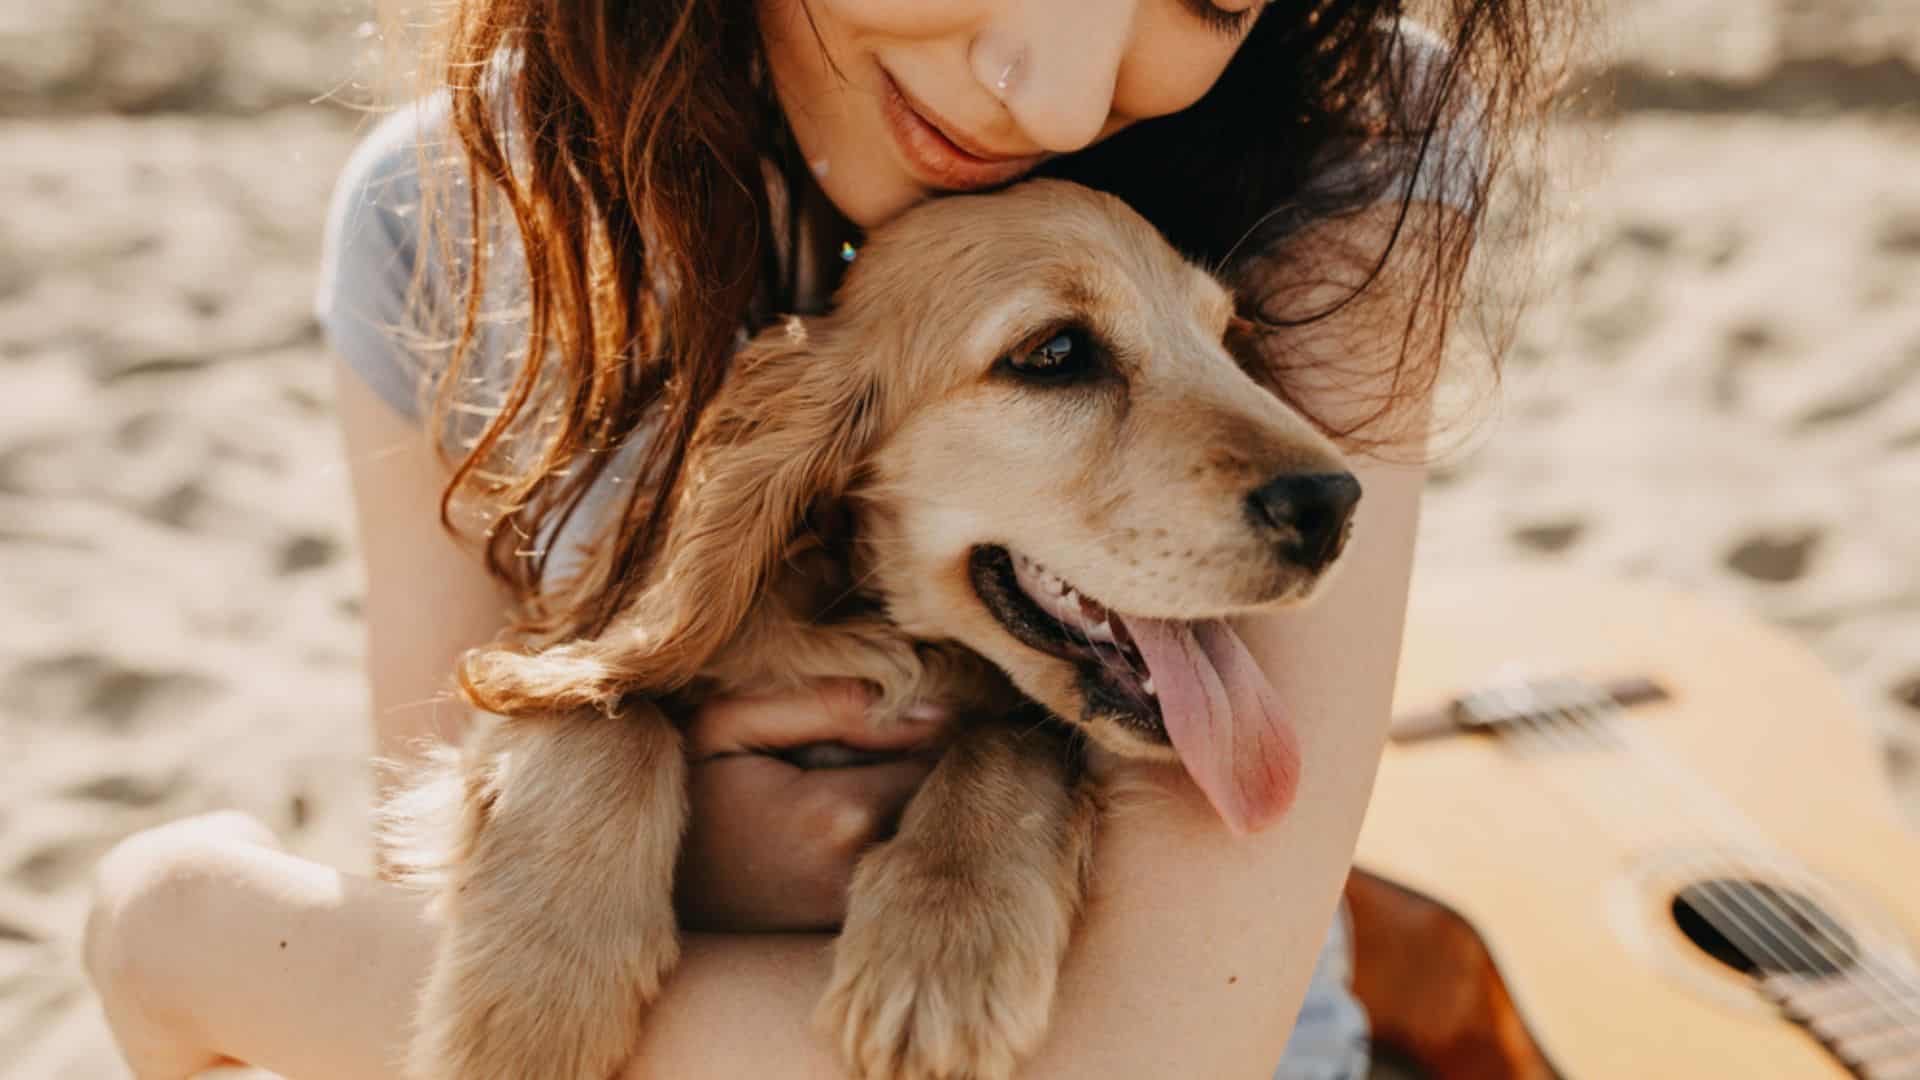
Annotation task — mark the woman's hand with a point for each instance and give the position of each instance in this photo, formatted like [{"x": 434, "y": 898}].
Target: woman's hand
[{"x": 788, "y": 791}]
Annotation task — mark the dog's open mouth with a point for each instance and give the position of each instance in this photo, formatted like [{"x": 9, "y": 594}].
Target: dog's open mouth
[
  {"x": 1192, "y": 684},
  {"x": 1049, "y": 614}
]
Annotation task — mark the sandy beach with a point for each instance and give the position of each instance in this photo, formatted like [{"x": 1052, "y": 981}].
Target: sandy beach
[{"x": 1719, "y": 387}]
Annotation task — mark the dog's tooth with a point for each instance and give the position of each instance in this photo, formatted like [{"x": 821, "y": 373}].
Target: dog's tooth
[
  {"x": 1147, "y": 685},
  {"x": 1100, "y": 631}
]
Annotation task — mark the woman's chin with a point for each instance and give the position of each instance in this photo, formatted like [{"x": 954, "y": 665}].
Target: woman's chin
[{"x": 872, "y": 202}]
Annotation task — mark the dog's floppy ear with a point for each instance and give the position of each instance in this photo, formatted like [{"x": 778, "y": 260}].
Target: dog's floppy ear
[{"x": 788, "y": 429}]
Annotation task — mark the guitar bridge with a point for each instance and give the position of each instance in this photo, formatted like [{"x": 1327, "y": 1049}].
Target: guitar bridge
[{"x": 1529, "y": 701}]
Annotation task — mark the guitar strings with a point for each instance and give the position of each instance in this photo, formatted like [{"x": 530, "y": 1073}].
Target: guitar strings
[
  {"x": 1540, "y": 724},
  {"x": 1898, "y": 998},
  {"x": 1902, "y": 990},
  {"x": 1559, "y": 727},
  {"x": 1734, "y": 905},
  {"x": 1723, "y": 913}
]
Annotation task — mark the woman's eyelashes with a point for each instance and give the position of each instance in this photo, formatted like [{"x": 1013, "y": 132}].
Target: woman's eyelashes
[{"x": 1231, "y": 23}]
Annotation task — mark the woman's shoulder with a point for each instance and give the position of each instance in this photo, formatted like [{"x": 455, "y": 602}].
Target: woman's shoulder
[
  {"x": 375, "y": 204},
  {"x": 1416, "y": 132},
  {"x": 395, "y": 252},
  {"x": 372, "y": 245},
  {"x": 1433, "y": 117}
]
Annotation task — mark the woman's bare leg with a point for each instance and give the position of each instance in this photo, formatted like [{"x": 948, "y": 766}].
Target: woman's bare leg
[{"x": 206, "y": 943}]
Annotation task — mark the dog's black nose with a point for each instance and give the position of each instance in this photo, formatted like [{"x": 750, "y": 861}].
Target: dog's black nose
[{"x": 1312, "y": 509}]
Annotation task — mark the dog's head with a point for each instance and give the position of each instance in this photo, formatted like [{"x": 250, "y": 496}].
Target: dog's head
[
  {"x": 1082, "y": 482},
  {"x": 1054, "y": 459}
]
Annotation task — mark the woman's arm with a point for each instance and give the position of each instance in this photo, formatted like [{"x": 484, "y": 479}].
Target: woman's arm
[{"x": 428, "y": 600}]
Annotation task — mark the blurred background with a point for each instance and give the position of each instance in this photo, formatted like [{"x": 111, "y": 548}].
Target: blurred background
[{"x": 1719, "y": 388}]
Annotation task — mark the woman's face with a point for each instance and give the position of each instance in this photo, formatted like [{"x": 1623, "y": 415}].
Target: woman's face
[{"x": 896, "y": 100}]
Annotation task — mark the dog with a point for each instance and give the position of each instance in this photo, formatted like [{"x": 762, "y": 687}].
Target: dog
[{"x": 1062, "y": 483}]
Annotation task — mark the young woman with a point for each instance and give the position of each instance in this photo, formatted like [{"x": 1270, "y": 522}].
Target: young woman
[{"x": 629, "y": 186}]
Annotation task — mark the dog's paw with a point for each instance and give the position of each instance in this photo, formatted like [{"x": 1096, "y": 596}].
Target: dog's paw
[
  {"x": 511, "y": 1013},
  {"x": 556, "y": 910},
  {"x": 941, "y": 975}
]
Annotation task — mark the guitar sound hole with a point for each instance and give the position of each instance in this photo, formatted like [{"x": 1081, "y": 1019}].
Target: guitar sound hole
[{"x": 1759, "y": 929}]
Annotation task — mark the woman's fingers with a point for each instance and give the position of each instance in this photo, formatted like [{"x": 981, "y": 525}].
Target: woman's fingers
[
  {"x": 773, "y": 847},
  {"x": 788, "y": 790},
  {"x": 820, "y": 713},
  {"x": 827, "y": 711}
]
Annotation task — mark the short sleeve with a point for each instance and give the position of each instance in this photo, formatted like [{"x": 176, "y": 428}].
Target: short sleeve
[
  {"x": 1450, "y": 170},
  {"x": 1436, "y": 139},
  {"x": 371, "y": 254}
]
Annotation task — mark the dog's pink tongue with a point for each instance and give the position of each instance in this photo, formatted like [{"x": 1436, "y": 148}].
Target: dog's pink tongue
[{"x": 1224, "y": 718}]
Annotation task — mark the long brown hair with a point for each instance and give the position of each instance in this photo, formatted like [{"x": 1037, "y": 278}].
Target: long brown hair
[{"x": 634, "y": 146}]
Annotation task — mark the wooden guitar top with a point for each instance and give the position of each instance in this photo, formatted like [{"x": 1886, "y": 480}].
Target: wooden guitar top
[{"x": 1564, "y": 856}]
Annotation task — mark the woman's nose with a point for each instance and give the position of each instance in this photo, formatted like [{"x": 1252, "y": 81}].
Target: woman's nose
[{"x": 1054, "y": 64}]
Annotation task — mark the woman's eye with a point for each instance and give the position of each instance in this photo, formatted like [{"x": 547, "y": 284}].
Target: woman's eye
[{"x": 1058, "y": 355}]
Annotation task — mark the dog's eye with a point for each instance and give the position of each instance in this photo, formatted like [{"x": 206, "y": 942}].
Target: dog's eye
[{"x": 1058, "y": 354}]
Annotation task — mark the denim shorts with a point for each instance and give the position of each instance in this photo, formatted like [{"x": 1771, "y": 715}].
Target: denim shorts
[{"x": 1330, "y": 1036}]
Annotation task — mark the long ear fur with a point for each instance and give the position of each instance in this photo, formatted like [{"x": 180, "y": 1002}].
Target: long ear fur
[{"x": 788, "y": 429}]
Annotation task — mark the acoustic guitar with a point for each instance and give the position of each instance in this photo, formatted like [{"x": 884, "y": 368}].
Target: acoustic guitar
[{"x": 1618, "y": 833}]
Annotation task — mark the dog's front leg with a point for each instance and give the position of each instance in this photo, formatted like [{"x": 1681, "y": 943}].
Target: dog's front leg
[
  {"x": 956, "y": 927},
  {"x": 557, "y": 907}
]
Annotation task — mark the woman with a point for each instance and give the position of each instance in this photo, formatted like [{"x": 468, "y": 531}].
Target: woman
[{"x": 645, "y": 182}]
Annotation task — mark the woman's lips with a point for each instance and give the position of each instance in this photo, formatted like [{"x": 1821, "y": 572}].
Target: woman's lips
[{"x": 934, "y": 157}]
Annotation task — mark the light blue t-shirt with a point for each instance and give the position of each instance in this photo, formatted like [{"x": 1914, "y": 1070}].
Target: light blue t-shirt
[{"x": 373, "y": 250}]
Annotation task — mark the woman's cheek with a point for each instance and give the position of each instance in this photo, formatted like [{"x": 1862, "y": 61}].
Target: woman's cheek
[{"x": 1171, "y": 62}]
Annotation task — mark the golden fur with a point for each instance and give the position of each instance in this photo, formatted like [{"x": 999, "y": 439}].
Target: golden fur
[{"x": 566, "y": 815}]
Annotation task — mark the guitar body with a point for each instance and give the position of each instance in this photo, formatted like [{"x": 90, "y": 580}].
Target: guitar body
[{"x": 1527, "y": 925}]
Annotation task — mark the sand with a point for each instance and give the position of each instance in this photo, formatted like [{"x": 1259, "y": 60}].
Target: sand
[{"x": 1720, "y": 388}]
